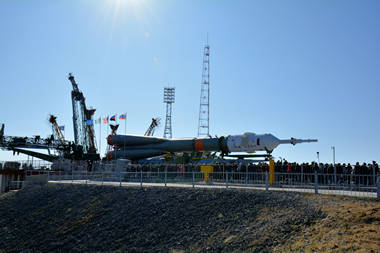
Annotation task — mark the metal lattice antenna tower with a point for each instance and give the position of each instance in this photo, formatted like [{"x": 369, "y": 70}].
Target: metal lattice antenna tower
[
  {"x": 204, "y": 108},
  {"x": 168, "y": 100}
]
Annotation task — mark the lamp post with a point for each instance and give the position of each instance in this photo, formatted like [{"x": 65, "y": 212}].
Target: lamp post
[{"x": 333, "y": 149}]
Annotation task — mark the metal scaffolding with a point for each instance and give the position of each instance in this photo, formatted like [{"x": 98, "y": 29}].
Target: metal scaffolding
[
  {"x": 204, "y": 107},
  {"x": 168, "y": 100},
  {"x": 84, "y": 134}
]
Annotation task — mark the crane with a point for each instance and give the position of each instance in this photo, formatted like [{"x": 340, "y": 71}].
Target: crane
[
  {"x": 155, "y": 123},
  {"x": 55, "y": 128},
  {"x": 84, "y": 134}
]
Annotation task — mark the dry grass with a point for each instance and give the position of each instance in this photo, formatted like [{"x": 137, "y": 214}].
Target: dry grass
[{"x": 349, "y": 226}]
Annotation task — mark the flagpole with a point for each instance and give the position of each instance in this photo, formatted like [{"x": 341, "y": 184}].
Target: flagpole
[
  {"x": 100, "y": 136},
  {"x": 125, "y": 126},
  {"x": 107, "y": 126},
  {"x": 108, "y": 122}
]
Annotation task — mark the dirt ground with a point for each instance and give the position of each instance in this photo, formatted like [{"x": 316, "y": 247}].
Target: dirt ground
[
  {"x": 350, "y": 225},
  {"x": 80, "y": 218}
]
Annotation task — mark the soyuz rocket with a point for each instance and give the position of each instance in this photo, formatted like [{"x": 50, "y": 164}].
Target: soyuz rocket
[{"x": 134, "y": 147}]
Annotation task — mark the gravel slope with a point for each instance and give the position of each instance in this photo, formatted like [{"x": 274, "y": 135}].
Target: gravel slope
[
  {"x": 100, "y": 218},
  {"x": 350, "y": 225}
]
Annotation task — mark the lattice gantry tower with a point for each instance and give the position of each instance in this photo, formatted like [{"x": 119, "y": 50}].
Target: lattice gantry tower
[
  {"x": 168, "y": 100},
  {"x": 204, "y": 107},
  {"x": 84, "y": 133}
]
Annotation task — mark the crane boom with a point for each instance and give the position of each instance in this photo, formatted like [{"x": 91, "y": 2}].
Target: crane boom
[
  {"x": 82, "y": 120},
  {"x": 155, "y": 123},
  {"x": 55, "y": 128}
]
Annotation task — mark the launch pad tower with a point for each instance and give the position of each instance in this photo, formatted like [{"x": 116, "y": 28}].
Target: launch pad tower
[{"x": 204, "y": 107}]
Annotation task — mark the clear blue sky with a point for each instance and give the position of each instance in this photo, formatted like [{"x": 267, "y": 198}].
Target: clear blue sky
[{"x": 304, "y": 69}]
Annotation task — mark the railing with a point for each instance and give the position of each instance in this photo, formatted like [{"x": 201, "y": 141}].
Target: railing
[
  {"x": 351, "y": 185},
  {"x": 126, "y": 174},
  {"x": 26, "y": 165}
]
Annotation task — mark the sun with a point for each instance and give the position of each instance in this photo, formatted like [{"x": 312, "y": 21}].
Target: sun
[
  {"x": 124, "y": 15},
  {"x": 136, "y": 8},
  {"x": 132, "y": 2},
  {"x": 126, "y": 4}
]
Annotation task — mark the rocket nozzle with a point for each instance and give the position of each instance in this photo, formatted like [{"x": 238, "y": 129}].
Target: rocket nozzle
[
  {"x": 109, "y": 140},
  {"x": 109, "y": 156}
]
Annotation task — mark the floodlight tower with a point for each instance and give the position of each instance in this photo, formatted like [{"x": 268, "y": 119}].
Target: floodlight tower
[
  {"x": 168, "y": 100},
  {"x": 204, "y": 107}
]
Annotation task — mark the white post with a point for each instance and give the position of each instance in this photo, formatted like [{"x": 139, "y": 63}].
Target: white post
[
  {"x": 141, "y": 177},
  {"x": 226, "y": 179},
  {"x": 193, "y": 178},
  {"x": 246, "y": 173},
  {"x": 166, "y": 174}
]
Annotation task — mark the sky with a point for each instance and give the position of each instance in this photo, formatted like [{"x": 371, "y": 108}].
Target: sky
[{"x": 294, "y": 68}]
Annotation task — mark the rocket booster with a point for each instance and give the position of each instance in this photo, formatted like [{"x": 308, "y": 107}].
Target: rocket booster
[{"x": 135, "y": 147}]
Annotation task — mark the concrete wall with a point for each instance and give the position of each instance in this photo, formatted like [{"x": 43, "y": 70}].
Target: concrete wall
[{"x": 37, "y": 179}]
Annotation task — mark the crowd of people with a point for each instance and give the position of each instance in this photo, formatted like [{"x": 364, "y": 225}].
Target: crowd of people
[
  {"x": 285, "y": 172},
  {"x": 323, "y": 168},
  {"x": 279, "y": 166},
  {"x": 340, "y": 173}
]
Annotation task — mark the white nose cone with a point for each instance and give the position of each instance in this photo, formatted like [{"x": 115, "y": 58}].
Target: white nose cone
[
  {"x": 250, "y": 142},
  {"x": 268, "y": 142}
]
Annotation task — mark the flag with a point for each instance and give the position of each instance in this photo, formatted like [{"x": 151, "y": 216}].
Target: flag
[
  {"x": 62, "y": 128},
  {"x": 97, "y": 121},
  {"x": 123, "y": 116},
  {"x": 113, "y": 118},
  {"x": 89, "y": 122},
  {"x": 105, "y": 120}
]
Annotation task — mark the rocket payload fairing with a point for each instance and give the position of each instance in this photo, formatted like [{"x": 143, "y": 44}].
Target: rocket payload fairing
[{"x": 135, "y": 147}]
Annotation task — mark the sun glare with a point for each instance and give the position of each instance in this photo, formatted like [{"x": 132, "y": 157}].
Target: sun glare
[
  {"x": 129, "y": 1},
  {"x": 127, "y": 4},
  {"x": 121, "y": 9},
  {"x": 121, "y": 13}
]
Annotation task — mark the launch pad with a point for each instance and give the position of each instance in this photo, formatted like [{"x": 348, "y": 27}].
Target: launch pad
[{"x": 133, "y": 147}]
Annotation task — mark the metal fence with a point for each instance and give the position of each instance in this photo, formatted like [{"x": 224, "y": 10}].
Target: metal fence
[
  {"x": 350, "y": 185},
  {"x": 188, "y": 175},
  {"x": 26, "y": 165}
]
